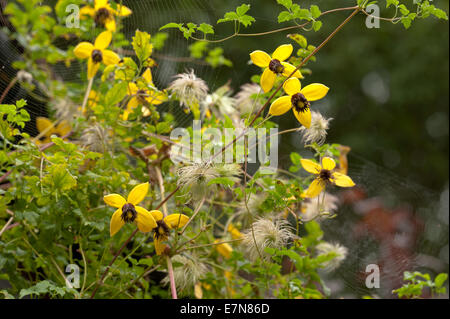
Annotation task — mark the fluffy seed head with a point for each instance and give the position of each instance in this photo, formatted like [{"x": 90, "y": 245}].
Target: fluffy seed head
[
  {"x": 311, "y": 210},
  {"x": 94, "y": 138},
  {"x": 317, "y": 132},
  {"x": 267, "y": 233},
  {"x": 194, "y": 178},
  {"x": 189, "y": 89},
  {"x": 334, "y": 248},
  {"x": 187, "y": 274},
  {"x": 246, "y": 100}
]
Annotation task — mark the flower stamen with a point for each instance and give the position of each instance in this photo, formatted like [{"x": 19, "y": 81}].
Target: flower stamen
[
  {"x": 275, "y": 66},
  {"x": 97, "y": 56},
  {"x": 129, "y": 213},
  {"x": 101, "y": 16},
  {"x": 300, "y": 103}
]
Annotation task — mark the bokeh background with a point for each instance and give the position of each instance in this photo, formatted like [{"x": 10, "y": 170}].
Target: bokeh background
[{"x": 389, "y": 102}]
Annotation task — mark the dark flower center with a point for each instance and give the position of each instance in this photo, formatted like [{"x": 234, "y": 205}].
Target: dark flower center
[
  {"x": 141, "y": 95},
  {"x": 97, "y": 56},
  {"x": 129, "y": 213},
  {"x": 299, "y": 102},
  {"x": 325, "y": 175},
  {"x": 275, "y": 66},
  {"x": 101, "y": 15},
  {"x": 161, "y": 230}
]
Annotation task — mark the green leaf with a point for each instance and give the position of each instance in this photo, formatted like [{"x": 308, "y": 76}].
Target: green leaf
[
  {"x": 284, "y": 16},
  {"x": 242, "y": 9},
  {"x": 116, "y": 94},
  {"x": 141, "y": 45},
  {"x": 285, "y": 3},
  {"x": 171, "y": 25},
  {"x": 315, "y": 11},
  {"x": 206, "y": 28},
  {"x": 224, "y": 181},
  {"x": 440, "y": 279},
  {"x": 317, "y": 25},
  {"x": 300, "y": 39}
]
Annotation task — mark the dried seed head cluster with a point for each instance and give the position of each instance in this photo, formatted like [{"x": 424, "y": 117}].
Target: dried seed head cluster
[
  {"x": 189, "y": 89},
  {"x": 25, "y": 77},
  {"x": 311, "y": 209},
  {"x": 337, "y": 249},
  {"x": 317, "y": 132},
  {"x": 267, "y": 233},
  {"x": 246, "y": 100},
  {"x": 65, "y": 110},
  {"x": 95, "y": 138},
  {"x": 220, "y": 101},
  {"x": 195, "y": 177},
  {"x": 187, "y": 274}
]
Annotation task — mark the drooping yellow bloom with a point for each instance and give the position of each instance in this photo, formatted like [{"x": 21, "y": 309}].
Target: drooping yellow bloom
[
  {"x": 325, "y": 175},
  {"x": 235, "y": 233},
  {"x": 163, "y": 226},
  {"x": 224, "y": 249},
  {"x": 47, "y": 128},
  {"x": 93, "y": 99},
  {"x": 128, "y": 212},
  {"x": 143, "y": 96},
  {"x": 97, "y": 53},
  {"x": 103, "y": 14},
  {"x": 274, "y": 65},
  {"x": 298, "y": 99}
]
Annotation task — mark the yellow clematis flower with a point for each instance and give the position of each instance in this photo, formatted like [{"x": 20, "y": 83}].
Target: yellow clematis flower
[
  {"x": 325, "y": 175},
  {"x": 235, "y": 233},
  {"x": 163, "y": 226},
  {"x": 143, "y": 96},
  {"x": 298, "y": 99},
  {"x": 224, "y": 249},
  {"x": 103, "y": 14},
  {"x": 47, "y": 128},
  {"x": 128, "y": 212},
  {"x": 97, "y": 53},
  {"x": 274, "y": 65}
]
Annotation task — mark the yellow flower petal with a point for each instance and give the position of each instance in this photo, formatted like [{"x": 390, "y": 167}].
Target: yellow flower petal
[
  {"x": 289, "y": 68},
  {"x": 103, "y": 40},
  {"x": 144, "y": 219},
  {"x": 138, "y": 193},
  {"x": 132, "y": 104},
  {"x": 147, "y": 75},
  {"x": 116, "y": 222},
  {"x": 132, "y": 88},
  {"x": 157, "y": 215},
  {"x": 310, "y": 166},
  {"x": 100, "y": 4},
  {"x": 83, "y": 50},
  {"x": 235, "y": 233},
  {"x": 63, "y": 128},
  {"x": 315, "y": 188},
  {"x": 328, "y": 163},
  {"x": 315, "y": 91},
  {"x": 44, "y": 124},
  {"x": 224, "y": 249},
  {"x": 87, "y": 10},
  {"x": 110, "y": 57},
  {"x": 267, "y": 80},
  {"x": 283, "y": 52},
  {"x": 303, "y": 117},
  {"x": 342, "y": 180},
  {"x": 110, "y": 24},
  {"x": 92, "y": 68},
  {"x": 292, "y": 86},
  {"x": 156, "y": 98},
  {"x": 123, "y": 11},
  {"x": 260, "y": 58},
  {"x": 159, "y": 246},
  {"x": 176, "y": 220},
  {"x": 114, "y": 200},
  {"x": 280, "y": 105}
]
